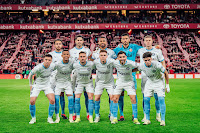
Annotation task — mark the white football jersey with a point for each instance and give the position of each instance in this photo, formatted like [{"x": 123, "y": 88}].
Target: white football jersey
[
  {"x": 74, "y": 52},
  {"x": 64, "y": 71},
  {"x": 43, "y": 74},
  {"x": 84, "y": 72},
  {"x": 156, "y": 54},
  {"x": 111, "y": 54},
  {"x": 56, "y": 56},
  {"x": 154, "y": 72},
  {"x": 104, "y": 71},
  {"x": 124, "y": 72}
]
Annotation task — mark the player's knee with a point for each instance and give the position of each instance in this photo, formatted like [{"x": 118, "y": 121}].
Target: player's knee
[
  {"x": 97, "y": 98},
  {"x": 133, "y": 100},
  {"x": 90, "y": 97},
  {"x": 115, "y": 100},
  {"x": 32, "y": 102},
  {"x": 52, "y": 101}
]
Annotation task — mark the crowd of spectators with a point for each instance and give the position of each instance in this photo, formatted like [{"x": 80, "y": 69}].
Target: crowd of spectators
[
  {"x": 142, "y": 17},
  {"x": 35, "y": 45}
]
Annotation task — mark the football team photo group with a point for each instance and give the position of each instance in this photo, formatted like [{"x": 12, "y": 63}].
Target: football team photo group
[{"x": 69, "y": 72}]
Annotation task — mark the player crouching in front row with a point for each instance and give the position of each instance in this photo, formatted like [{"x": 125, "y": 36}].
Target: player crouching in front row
[
  {"x": 154, "y": 84},
  {"x": 43, "y": 72}
]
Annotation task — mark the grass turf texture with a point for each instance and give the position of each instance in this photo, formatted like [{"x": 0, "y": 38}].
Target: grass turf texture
[{"x": 182, "y": 106}]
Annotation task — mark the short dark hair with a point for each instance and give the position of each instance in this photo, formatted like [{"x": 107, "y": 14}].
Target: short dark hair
[
  {"x": 102, "y": 37},
  {"x": 125, "y": 34},
  {"x": 65, "y": 50},
  {"x": 103, "y": 51},
  {"x": 82, "y": 52},
  {"x": 147, "y": 54},
  {"x": 48, "y": 55},
  {"x": 121, "y": 52},
  {"x": 79, "y": 36},
  {"x": 58, "y": 40}
]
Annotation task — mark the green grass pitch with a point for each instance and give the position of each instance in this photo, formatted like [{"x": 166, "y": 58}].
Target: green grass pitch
[{"x": 182, "y": 111}]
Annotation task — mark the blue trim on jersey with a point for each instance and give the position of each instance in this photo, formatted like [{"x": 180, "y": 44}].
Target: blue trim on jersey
[
  {"x": 147, "y": 66},
  {"x": 149, "y": 49},
  {"x": 93, "y": 58},
  {"x": 79, "y": 48},
  {"x": 65, "y": 63},
  {"x": 162, "y": 60},
  {"x": 103, "y": 49},
  {"x": 58, "y": 52},
  {"x": 83, "y": 65},
  {"x": 45, "y": 67}
]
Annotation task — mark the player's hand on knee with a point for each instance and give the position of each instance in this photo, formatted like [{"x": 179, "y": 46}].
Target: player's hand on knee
[{"x": 167, "y": 88}]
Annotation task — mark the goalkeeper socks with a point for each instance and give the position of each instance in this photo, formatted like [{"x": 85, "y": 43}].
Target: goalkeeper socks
[
  {"x": 57, "y": 98},
  {"x": 115, "y": 109},
  {"x": 86, "y": 101},
  {"x": 121, "y": 105},
  {"x": 32, "y": 110},
  {"x": 51, "y": 110},
  {"x": 97, "y": 107},
  {"x": 157, "y": 103},
  {"x": 70, "y": 104},
  {"x": 147, "y": 107},
  {"x": 134, "y": 109},
  {"x": 162, "y": 107},
  {"x": 62, "y": 104},
  {"x": 77, "y": 106},
  {"x": 91, "y": 107}
]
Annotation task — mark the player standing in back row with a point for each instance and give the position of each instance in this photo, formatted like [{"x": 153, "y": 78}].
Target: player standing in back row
[{"x": 56, "y": 57}]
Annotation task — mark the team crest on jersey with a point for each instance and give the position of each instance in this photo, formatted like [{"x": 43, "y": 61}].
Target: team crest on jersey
[
  {"x": 130, "y": 50},
  {"x": 89, "y": 69},
  {"x": 128, "y": 68},
  {"x": 108, "y": 66},
  {"x": 153, "y": 71}
]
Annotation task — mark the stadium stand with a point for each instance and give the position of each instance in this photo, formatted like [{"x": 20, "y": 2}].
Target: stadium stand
[
  {"x": 23, "y": 50},
  {"x": 141, "y": 17}
]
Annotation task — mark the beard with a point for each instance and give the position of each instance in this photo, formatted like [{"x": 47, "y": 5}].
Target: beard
[
  {"x": 103, "y": 45},
  {"x": 122, "y": 62}
]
